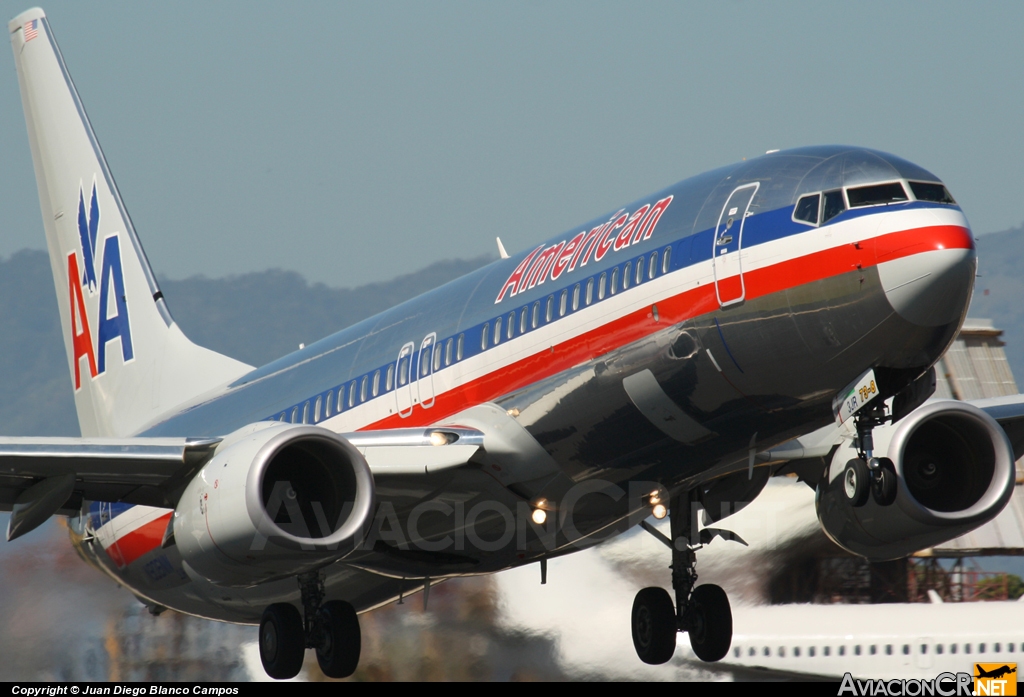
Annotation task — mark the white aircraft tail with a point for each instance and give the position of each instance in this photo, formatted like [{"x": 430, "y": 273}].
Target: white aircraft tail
[{"x": 129, "y": 361}]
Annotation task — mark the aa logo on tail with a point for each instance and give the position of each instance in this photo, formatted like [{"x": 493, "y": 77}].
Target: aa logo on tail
[{"x": 111, "y": 311}]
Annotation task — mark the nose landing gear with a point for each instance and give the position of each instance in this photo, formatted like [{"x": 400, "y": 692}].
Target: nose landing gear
[
  {"x": 703, "y": 612},
  {"x": 866, "y": 474},
  {"x": 331, "y": 628}
]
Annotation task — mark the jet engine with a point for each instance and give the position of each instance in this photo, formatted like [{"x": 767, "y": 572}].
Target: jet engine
[
  {"x": 955, "y": 470},
  {"x": 274, "y": 500}
]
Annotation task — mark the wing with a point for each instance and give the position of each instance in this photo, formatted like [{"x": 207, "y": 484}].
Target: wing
[{"x": 40, "y": 477}]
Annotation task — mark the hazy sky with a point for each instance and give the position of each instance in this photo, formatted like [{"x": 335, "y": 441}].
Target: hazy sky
[{"x": 355, "y": 141}]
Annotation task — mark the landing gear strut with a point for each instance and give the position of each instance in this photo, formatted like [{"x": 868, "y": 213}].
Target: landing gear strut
[
  {"x": 866, "y": 474},
  {"x": 701, "y": 611},
  {"x": 331, "y": 628}
]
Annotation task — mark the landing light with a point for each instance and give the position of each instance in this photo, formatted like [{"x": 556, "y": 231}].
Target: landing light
[
  {"x": 539, "y": 516},
  {"x": 439, "y": 438},
  {"x": 660, "y": 511}
]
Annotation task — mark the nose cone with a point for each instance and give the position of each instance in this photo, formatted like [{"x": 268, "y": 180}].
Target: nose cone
[{"x": 928, "y": 272}]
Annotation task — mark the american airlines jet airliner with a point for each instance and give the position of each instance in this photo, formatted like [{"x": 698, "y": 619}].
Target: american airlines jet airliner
[{"x": 668, "y": 356}]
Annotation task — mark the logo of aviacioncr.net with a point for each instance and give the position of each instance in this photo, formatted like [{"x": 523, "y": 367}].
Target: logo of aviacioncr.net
[{"x": 995, "y": 678}]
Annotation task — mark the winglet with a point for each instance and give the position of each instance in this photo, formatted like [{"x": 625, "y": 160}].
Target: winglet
[{"x": 501, "y": 249}]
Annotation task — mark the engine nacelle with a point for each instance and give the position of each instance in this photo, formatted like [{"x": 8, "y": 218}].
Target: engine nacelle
[
  {"x": 274, "y": 500},
  {"x": 955, "y": 469}
]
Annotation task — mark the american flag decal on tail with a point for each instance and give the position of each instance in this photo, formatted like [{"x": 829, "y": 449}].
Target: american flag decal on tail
[{"x": 31, "y": 30}]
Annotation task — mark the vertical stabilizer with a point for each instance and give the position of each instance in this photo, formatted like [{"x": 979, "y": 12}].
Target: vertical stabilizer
[{"x": 129, "y": 361}]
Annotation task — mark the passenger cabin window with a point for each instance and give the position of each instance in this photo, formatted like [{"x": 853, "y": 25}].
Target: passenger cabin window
[
  {"x": 458, "y": 348},
  {"x": 448, "y": 352},
  {"x": 936, "y": 193},
  {"x": 549, "y": 311},
  {"x": 576, "y": 297},
  {"x": 376, "y": 382},
  {"x": 341, "y": 398},
  {"x": 497, "y": 330},
  {"x": 561, "y": 303},
  {"x": 352, "y": 394},
  {"x": 295, "y": 415},
  {"x": 834, "y": 205},
  {"x": 535, "y": 317},
  {"x": 806, "y": 210},
  {"x": 639, "y": 270},
  {"x": 305, "y": 413},
  {"x": 483, "y": 336},
  {"x": 666, "y": 260},
  {"x": 652, "y": 267},
  {"x": 328, "y": 403},
  {"x": 511, "y": 329},
  {"x": 316, "y": 409},
  {"x": 590, "y": 291},
  {"x": 523, "y": 316},
  {"x": 437, "y": 358},
  {"x": 362, "y": 388},
  {"x": 626, "y": 273},
  {"x": 389, "y": 381},
  {"x": 876, "y": 195},
  {"x": 600, "y": 287}
]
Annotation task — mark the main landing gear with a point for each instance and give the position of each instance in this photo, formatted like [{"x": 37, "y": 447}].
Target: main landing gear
[
  {"x": 331, "y": 628},
  {"x": 867, "y": 475},
  {"x": 702, "y": 611}
]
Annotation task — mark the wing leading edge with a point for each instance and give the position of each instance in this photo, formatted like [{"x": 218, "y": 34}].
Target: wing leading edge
[{"x": 40, "y": 477}]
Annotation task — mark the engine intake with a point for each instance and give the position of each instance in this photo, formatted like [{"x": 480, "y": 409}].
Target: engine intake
[
  {"x": 955, "y": 469},
  {"x": 275, "y": 500}
]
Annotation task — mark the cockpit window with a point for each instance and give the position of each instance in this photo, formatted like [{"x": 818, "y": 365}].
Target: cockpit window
[
  {"x": 834, "y": 205},
  {"x": 936, "y": 193},
  {"x": 806, "y": 210},
  {"x": 876, "y": 194}
]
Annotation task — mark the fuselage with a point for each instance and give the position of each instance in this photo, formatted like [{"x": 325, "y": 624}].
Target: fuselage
[{"x": 658, "y": 343}]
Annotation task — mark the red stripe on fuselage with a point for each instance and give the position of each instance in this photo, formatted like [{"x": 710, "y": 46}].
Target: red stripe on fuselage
[
  {"x": 141, "y": 540},
  {"x": 678, "y": 308}
]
